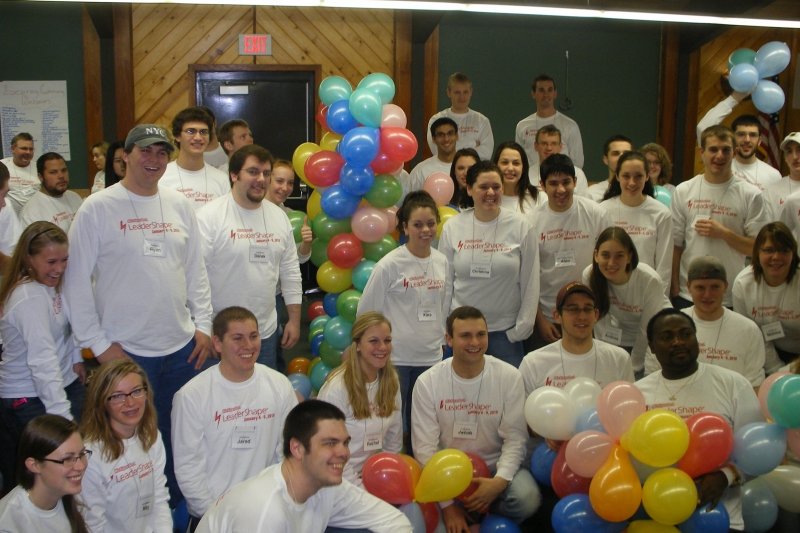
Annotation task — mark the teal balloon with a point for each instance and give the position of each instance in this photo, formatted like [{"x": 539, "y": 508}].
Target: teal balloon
[
  {"x": 366, "y": 107},
  {"x": 742, "y": 55},
  {"x": 317, "y": 326},
  {"x": 663, "y": 195},
  {"x": 296, "y": 218},
  {"x": 772, "y": 59},
  {"x": 385, "y": 191},
  {"x": 374, "y": 251},
  {"x": 330, "y": 355},
  {"x": 347, "y": 304},
  {"x": 361, "y": 273},
  {"x": 743, "y": 78},
  {"x": 334, "y": 88},
  {"x": 319, "y": 252},
  {"x": 380, "y": 84},
  {"x": 326, "y": 227},
  {"x": 337, "y": 332},
  {"x": 783, "y": 401},
  {"x": 319, "y": 374}
]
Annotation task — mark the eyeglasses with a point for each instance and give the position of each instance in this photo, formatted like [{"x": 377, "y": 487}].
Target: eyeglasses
[
  {"x": 575, "y": 310},
  {"x": 118, "y": 398},
  {"x": 72, "y": 460},
  {"x": 191, "y": 132},
  {"x": 256, "y": 172}
]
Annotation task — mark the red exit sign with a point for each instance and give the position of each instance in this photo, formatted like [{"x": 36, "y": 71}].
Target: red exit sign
[{"x": 255, "y": 44}]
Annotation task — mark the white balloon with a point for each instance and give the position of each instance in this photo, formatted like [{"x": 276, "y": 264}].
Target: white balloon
[
  {"x": 583, "y": 392},
  {"x": 551, "y": 413}
]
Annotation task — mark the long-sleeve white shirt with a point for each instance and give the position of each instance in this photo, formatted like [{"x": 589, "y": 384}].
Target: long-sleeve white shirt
[
  {"x": 776, "y": 194},
  {"x": 571, "y": 141},
  {"x": 18, "y": 514},
  {"x": 23, "y": 183},
  {"x": 789, "y": 214},
  {"x": 198, "y": 186},
  {"x": 60, "y": 211},
  {"x": 474, "y": 131}
]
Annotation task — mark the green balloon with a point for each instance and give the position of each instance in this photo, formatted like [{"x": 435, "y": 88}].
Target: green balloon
[
  {"x": 319, "y": 252},
  {"x": 314, "y": 331},
  {"x": 741, "y": 55},
  {"x": 325, "y": 227},
  {"x": 385, "y": 192},
  {"x": 296, "y": 218},
  {"x": 330, "y": 355},
  {"x": 375, "y": 250},
  {"x": 347, "y": 304}
]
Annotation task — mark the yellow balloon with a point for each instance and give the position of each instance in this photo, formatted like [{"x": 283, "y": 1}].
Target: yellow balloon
[
  {"x": 669, "y": 496},
  {"x": 329, "y": 141},
  {"x": 615, "y": 492},
  {"x": 657, "y": 438},
  {"x": 314, "y": 205},
  {"x": 445, "y": 214},
  {"x": 445, "y": 476},
  {"x": 650, "y": 526},
  {"x": 301, "y": 154},
  {"x": 331, "y": 278}
]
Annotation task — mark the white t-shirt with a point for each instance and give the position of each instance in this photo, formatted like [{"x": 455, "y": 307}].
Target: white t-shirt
[
  {"x": 790, "y": 214},
  {"x": 59, "y": 211},
  {"x": 215, "y": 157},
  {"x": 128, "y": 494},
  {"x": 554, "y": 366},
  {"x": 99, "y": 182},
  {"x": 136, "y": 273},
  {"x": 18, "y": 514},
  {"x": 262, "y": 503},
  {"x": 247, "y": 252},
  {"x": 650, "y": 228},
  {"x": 581, "y": 183},
  {"x": 711, "y": 389},
  {"x": 225, "y": 432},
  {"x": 775, "y": 195},
  {"x": 597, "y": 190},
  {"x": 735, "y": 204},
  {"x": 494, "y": 266},
  {"x": 367, "y": 436},
  {"x": 474, "y": 131},
  {"x": 23, "y": 183},
  {"x": 424, "y": 169},
  {"x": 446, "y": 408},
  {"x": 198, "y": 186},
  {"x": 9, "y": 230},
  {"x": 413, "y": 294},
  {"x": 566, "y": 245},
  {"x": 571, "y": 141},
  {"x": 528, "y": 207}
]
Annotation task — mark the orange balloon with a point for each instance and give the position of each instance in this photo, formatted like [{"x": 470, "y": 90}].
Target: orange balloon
[
  {"x": 298, "y": 365},
  {"x": 414, "y": 467},
  {"x": 615, "y": 492}
]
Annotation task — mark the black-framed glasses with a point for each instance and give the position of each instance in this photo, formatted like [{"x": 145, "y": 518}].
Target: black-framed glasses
[
  {"x": 118, "y": 398},
  {"x": 72, "y": 460},
  {"x": 191, "y": 132}
]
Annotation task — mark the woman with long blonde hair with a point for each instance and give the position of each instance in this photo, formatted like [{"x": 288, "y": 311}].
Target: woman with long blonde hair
[{"x": 366, "y": 388}]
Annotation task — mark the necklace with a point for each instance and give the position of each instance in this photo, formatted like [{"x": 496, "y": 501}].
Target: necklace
[{"x": 673, "y": 395}]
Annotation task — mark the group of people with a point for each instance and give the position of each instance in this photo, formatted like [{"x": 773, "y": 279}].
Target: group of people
[{"x": 539, "y": 279}]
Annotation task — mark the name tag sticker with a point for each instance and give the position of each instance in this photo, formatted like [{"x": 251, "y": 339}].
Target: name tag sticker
[
  {"x": 153, "y": 248},
  {"x": 613, "y": 335},
  {"x": 244, "y": 437},
  {"x": 772, "y": 331},
  {"x": 565, "y": 258},
  {"x": 373, "y": 441},
  {"x": 144, "y": 506},
  {"x": 465, "y": 430},
  {"x": 480, "y": 270},
  {"x": 425, "y": 314}
]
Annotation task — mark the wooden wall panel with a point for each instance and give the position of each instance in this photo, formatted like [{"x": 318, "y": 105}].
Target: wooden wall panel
[{"x": 92, "y": 87}]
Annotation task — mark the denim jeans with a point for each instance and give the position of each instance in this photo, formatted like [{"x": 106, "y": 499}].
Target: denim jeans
[
  {"x": 269, "y": 350},
  {"x": 24, "y": 410},
  {"x": 408, "y": 376},
  {"x": 505, "y": 350}
]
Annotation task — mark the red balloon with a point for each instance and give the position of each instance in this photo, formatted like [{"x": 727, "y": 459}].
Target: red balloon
[
  {"x": 322, "y": 116},
  {"x": 345, "y": 250},
  {"x": 387, "y": 476},
  {"x": 398, "y": 143},
  {"x": 315, "y": 309},
  {"x": 710, "y": 444},
  {"x": 479, "y": 469},
  {"x": 383, "y": 164},
  {"x": 563, "y": 480},
  {"x": 322, "y": 168},
  {"x": 430, "y": 511}
]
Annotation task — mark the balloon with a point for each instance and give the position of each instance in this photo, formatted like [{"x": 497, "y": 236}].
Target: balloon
[
  {"x": 574, "y": 514},
  {"x": 387, "y": 476},
  {"x": 383, "y": 164},
  {"x": 331, "y": 278},
  {"x": 375, "y": 250},
  {"x": 361, "y": 273},
  {"x": 743, "y": 78},
  {"x": 366, "y": 107},
  {"x": 322, "y": 168},
  {"x": 334, "y": 88},
  {"x": 583, "y": 392},
  {"x": 772, "y": 58},
  {"x": 317, "y": 326},
  {"x": 763, "y": 392},
  {"x": 314, "y": 363},
  {"x": 329, "y": 141},
  {"x": 298, "y": 365},
  {"x": 758, "y": 447},
  {"x": 296, "y": 218},
  {"x": 431, "y": 513},
  {"x": 301, "y": 384},
  {"x": 347, "y": 303},
  {"x": 315, "y": 344},
  {"x": 330, "y": 355},
  {"x": 440, "y": 186},
  {"x": 180, "y": 516},
  {"x": 563, "y": 480},
  {"x": 615, "y": 491},
  {"x": 793, "y": 441},
  {"x": 707, "y": 520},
  {"x": 326, "y": 227},
  {"x": 650, "y": 526},
  {"x": 385, "y": 192},
  {"x": 414, "y": 468},
  {"x": 329, "y": 303},
  {"x": 314, "y": 205},
  {"x": 359, "y": 146},
  {"x": 759, "y": 507},
  {"x": 393, "y": 116},
  {"x": 315, "y": 310},
  {"x": 784, "y": 482},
  {"x": 768, "y": 97},
  {"x": 444, "y": 477},
  {"x": 618, "y": 406},
  {"x": 369, "y": 224},
  {"x": 550, "y": 413},
  {"x": 657, "y": 438},
  {"x": 783, "y": 401},
  {"x": 339, "y": 118},
  {"x": 542, "y": 462},
  {"x": 663, "y": 195},
  {"x": 322, "y": 118},
  {"x": 586, "y": 452},
  {"x": 319, "y": 373},
  {"x": 669, "y": 496},
  {"x": 319, "y": 252},
  {"x": 742, "y": 55},
  {"x": 301, "y": 154},
  {"x": 337, "y": 332},
  {"x": 587, "y": 420},
  {"x": 445, "y": 214},
  {"x": 710, "y": 444},
  {"x": 398, "y": 144},
  {"x": 356, "y": 180},
  {"x": 479, "y": 469},
  {"x": 493, "y": 523},
  {"x": 345, "y": 251},
  {"x": 336, "y": 203},
  {"x": 391, "y": 216},
  {"x": 380, "y": 84},
  {"x": 414, "y": 514}
]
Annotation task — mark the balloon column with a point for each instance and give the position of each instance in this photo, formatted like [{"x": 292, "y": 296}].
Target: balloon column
[{"x": 749, "y": 73}]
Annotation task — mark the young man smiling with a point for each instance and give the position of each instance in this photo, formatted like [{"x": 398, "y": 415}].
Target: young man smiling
[
  {"x": 54, "y": 202},
  {"x": 445, "y": 135}
]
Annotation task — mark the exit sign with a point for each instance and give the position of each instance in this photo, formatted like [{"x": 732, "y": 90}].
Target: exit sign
[{"x": 255, "y": 44}]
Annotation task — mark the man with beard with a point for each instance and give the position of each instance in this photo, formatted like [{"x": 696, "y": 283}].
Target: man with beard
[
  {"x": 53, "y": 202},
  {"x": 23, "y": 183},
  {"x": 248, "y": 245}
]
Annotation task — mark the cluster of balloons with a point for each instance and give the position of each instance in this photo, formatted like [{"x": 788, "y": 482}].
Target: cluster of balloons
[
  {"x": 617, "y": 462},
  {"x": 749, "y": 70}
]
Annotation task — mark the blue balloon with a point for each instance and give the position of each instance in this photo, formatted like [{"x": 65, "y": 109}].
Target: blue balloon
[
  {"x": 333, "y": 89},
  {"x": 380, "y": 84},
  {"x": 758, "y": 447},
  {"x": 319, "y": 374},
  {"x": 743, "y": 78},
  {"x": 361, "y": 274},
  {"x": 542, "y": 463},
  {"x": 337, "y": 203},
  {"x": 356, "y": 180},
  {"x": 589, "y": 420},
  {"x": 759, "y": 507},
  {"x": 772, "y": 59},
  {"x": 493, "y": 523},
  {"x": 339, "y": 118},
  {"x": 366, "y": 107},
  {"x": 359, "y": 146},
  {"x": 574, "y": 514},
  {"x": 707, "y": 520},
  {"x": 315, "y": 343},
  {"x": 768, "y": 97},
  {"x": 414, "y": 514},
  {"x": 301, "y": 383},
  {"x": 329, "y": 304},
  {"x": 180, "y": 516}
]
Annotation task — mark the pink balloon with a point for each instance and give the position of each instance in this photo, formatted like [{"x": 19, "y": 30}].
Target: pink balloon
[
  {"x": 391, "y": 217},
  {"x": 793, "y": 441},
  {"x": 587, "y": 451},
  {"x": 393, "y": 116},
  {"x": 566, "y": 481},
  {"x": 440, "y": 187},
  {"x": 398, "y": 144},
  {"x": 383, "y": 164},
  {"x": 322, "y": 168},
  {"x": 618, "y": 406},
  {"x": 369, "y": 223},
  {"x": 763, "y": 391}
]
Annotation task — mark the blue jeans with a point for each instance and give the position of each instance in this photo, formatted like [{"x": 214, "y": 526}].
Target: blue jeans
[
  {"x": 283, "y": 317},
  {"x": 408, "y": 376},
  {"x": 26, "y": 409},
  {"x": 269, "y": 350},
  {"x": 505, "y": 350}
]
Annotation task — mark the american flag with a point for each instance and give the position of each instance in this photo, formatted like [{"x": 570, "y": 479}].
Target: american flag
[{"x": 770, "y": 139}]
